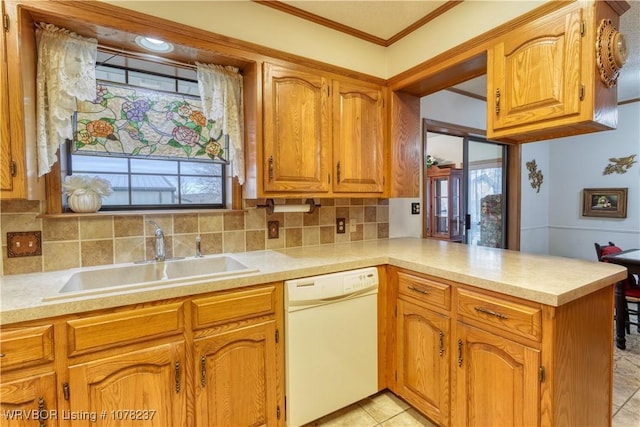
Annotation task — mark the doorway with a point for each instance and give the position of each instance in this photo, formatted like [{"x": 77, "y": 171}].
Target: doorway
[{"x": 482, "y": 196}]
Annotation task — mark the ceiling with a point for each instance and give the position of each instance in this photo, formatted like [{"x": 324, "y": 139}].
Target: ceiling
[{"x": 384, "y": 22}]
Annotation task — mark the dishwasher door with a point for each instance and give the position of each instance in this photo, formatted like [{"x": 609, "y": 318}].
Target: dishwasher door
[{"x": 331, "y": 343}]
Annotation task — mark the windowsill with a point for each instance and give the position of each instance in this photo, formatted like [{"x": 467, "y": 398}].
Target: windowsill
[{"x": 67, "y": 215}]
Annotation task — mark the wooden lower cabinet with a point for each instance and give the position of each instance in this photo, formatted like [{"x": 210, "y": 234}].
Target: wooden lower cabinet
[
  {"x": 465, "y": 356},
  {"x": 496, "y": 382},
  {"x": 423, "y": 359},
  {"x": 237, "y": 379},
  {"x": 139, "y": 388},
  {"x": 208, "y": 360},
  {"x": 29, "y": 402}
]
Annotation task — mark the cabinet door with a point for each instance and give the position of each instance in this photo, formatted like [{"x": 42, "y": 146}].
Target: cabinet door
[
  {"x": 237, "y": 378},
  {"x": 535, "y": 74},
  {"x": 6, "y": 158},
  {"x": 423, "y": 360},
  {"x": 495, "y": 381},
  {"x": 139, "y": 388},
  {"x": 23, "y": 402},
  {"x": 297, "y": 131},
  {"x": 357, "y": 138}
]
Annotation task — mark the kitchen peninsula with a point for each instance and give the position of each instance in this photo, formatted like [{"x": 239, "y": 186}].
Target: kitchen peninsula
[{"x": 538, "y": 327}]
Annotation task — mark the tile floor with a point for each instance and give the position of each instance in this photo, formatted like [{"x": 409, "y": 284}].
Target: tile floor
[{"x": 387, "y": 410}]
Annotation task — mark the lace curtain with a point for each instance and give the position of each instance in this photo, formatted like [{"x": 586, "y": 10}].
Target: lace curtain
[
  {"x": 221, "y": 93},
  {"x": 65, "y": 72}
]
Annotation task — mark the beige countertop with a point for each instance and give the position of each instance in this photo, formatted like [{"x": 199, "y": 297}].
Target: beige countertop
[{"x": 545, "y": 279}]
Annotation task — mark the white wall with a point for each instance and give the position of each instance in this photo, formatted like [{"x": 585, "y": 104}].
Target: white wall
[
  {"x": 534, "y": 206},
  {"x": 578, "y": 162},
  {"x": 446, "y": 107}
]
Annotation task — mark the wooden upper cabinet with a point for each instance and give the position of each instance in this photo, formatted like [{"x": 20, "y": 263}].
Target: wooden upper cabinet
[
  {"x": 297, "y": 130},
  {"x": 358, "y": 138},
  {"x": 536, "y": 72},
  {"x": 18, "y": 163},
  {"x": 323, "y": 136},
  {"x": 543, "y": 82}
]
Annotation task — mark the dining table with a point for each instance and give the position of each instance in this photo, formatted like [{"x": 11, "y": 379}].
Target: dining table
[{"x": 629, "y": 258}]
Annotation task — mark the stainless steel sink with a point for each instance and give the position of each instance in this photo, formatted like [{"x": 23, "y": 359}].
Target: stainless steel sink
[{"x": 116, "y": 278}]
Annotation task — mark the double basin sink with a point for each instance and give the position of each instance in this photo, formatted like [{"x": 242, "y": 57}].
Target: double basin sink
[{"x": 149, "y": 274}]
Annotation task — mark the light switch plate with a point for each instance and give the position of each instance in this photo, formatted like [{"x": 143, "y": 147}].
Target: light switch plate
[
  {"x": 24, "y": 243},
  {"x": 353, "y": 225}
]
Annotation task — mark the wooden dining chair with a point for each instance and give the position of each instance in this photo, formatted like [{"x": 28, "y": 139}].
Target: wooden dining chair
[{"x": 631, "y": 288}]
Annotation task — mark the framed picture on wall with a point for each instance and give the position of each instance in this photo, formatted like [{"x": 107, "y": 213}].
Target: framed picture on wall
[{"x": 604, "y": 202}]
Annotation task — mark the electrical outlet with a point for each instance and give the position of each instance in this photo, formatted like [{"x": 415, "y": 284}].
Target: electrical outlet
[
  {"x": 341, "y": 225},
  {"x": 415, "y": 208},
  {"x": 274, "y": 229},
  {"x": 24, "y": 243}
]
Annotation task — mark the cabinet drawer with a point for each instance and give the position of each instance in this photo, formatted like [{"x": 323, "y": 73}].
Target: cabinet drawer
[
  {"x": 233, "y": 306},
  {"x": 26, "y": 346},
  {"x": 95, "y": 332},
  {"x": 424, "y": 289},
  {"x": 510, "y": 316}
]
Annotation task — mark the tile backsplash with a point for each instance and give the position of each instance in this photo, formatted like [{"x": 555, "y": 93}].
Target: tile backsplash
[{"x": 80, "y": 241}]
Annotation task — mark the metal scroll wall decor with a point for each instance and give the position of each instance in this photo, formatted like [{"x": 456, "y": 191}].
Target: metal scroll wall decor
[
  {"x": 619, "y": 165},
  {"x": 535, "y": 176}
]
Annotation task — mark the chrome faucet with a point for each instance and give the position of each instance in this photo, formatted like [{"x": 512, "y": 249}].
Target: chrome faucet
[{"x": 160, "y": 253}]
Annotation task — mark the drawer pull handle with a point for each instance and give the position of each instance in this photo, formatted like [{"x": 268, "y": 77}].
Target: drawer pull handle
[
  {"x": 459, "y": 352},
  {"x": 441, "y": 343},
  {"x": 270, "y": 168},
  {"x": 42, "y": 416},
  {"x": 177, "y": 373},
  {"x": 422, "y": 291},
  {"x": 2, "y": 355},
  {"x": 491, "y": 312},
  {"x": 203, "y": 371}
]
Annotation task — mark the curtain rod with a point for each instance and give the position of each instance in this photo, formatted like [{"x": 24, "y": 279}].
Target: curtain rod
[{"x": 146, "y": 57}]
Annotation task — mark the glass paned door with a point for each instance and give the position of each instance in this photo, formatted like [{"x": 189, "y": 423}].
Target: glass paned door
[
  {"x": 486, "y": 201},
  {"x": 441, "y": 206}
]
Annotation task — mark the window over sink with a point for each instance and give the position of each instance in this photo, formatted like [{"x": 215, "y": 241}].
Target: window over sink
[{"x": 146, "y": 134}]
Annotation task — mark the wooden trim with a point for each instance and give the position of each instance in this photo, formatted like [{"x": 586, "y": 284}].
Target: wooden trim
[
  {"x": 451, "y": 129},
  {"x": 629, "y": 101},
  {"x": 450, "y": 4},
  {"x": 465, "y": 93},
  {"x": 514, "y": 161},
  {"x": 303, "y": 14}
]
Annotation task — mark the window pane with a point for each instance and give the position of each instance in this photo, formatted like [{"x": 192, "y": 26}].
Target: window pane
[
  {"x": 201, "y": 168},
  {"x": 165, "y": 167},
  {"x": 190, "y": 88},
  {"x": 154, "y": 190},
  {"x": 111, "y": 74},
  {"x": 153, "y": 82},
  {"x": 201, "y": 190},
  {"x": 99, "y": 164}
]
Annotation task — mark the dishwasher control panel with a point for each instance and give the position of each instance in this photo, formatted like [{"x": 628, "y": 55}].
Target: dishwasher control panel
[
  {"x": 359, "y": 281},
  {"x": 331, "y": 286}
]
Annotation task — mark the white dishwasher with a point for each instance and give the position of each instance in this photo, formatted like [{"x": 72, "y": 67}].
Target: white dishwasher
[{"x": 331, "y": 342}]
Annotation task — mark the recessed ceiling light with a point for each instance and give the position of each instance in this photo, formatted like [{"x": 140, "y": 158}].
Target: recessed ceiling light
[{"x": 154, "y": 45}]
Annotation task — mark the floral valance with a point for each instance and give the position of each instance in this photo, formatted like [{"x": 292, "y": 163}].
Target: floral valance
[
  {"x": 65, "y": 72},
  {"x": 131, "y": 121},
  {"x": 222, "y": 102}
]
